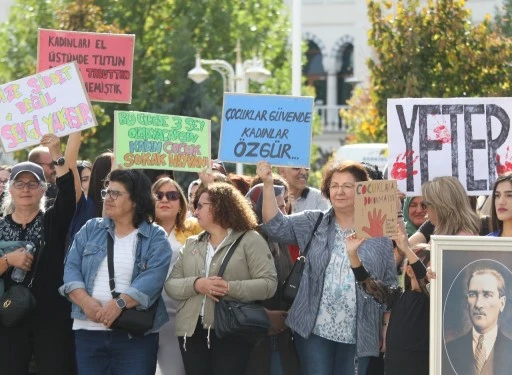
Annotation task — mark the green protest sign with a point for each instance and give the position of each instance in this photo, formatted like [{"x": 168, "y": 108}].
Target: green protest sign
[{"x": 159, "y": 141}]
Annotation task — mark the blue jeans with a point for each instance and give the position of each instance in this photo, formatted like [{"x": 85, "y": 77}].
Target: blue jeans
[
  {"x": 319, "y": 356},
  {"x": 114, "y": 352}
]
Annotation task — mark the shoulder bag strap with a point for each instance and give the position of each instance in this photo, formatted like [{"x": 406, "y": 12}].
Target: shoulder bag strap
[
  {"x": 306, "y": 249},
  {"x": 230, "y": 252},
  {"x": 110, "y": 263}
]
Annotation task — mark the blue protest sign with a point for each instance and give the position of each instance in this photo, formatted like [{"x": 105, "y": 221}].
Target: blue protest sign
[{"x": 275, "y": 128}]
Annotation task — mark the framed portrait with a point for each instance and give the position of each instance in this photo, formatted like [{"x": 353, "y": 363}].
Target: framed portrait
[{"x": 471, "y": 305}]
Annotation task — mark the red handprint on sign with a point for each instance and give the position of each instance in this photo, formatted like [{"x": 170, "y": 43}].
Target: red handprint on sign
[
  {"x": 399, "y": 169},
  {"x": 376, "y": 222},
  {"x": 507, "y": 164},
  {"x": 442, "y": 134}
]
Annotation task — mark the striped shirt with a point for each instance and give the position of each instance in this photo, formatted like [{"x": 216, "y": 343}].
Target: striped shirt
[{"x": 375, "y": 253}]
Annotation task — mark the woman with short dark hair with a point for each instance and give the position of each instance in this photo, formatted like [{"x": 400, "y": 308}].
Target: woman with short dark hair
[{"x": 141, "y": 258}]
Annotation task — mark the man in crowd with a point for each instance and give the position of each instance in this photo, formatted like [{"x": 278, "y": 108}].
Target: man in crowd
[
  {"x": 41, "y": 156},
  {"x": 303, "y": 196}
]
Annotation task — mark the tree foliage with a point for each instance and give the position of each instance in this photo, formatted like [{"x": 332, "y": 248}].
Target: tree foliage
[{"x": 434, "y": 50}]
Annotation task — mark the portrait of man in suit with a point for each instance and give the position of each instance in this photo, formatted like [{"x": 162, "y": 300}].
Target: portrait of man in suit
[{"x": 484, "y": 349}]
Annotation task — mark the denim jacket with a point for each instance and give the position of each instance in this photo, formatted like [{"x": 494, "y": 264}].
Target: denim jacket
[{"x": 152, "y": 260}]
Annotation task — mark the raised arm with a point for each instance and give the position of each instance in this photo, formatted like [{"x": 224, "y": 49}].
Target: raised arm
[
  {"x": 71, "y": 156},
  {"x": 270, "y": 208},
  {"x": 382, "y": 293}
]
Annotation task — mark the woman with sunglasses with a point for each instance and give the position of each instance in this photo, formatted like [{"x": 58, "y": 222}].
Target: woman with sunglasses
[
  {"x": 171, "y": 214},
  {"x": 141, "y": 258},
  {"x": 501, "y": 214}
]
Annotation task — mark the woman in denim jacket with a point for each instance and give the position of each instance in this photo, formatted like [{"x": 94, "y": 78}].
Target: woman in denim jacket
[{"x": 142, "y": 256}]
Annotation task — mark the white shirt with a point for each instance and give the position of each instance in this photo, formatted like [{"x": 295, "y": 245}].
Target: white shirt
[
  {"x": 210, "y": 252},
  {"x": 124, "y": 260},
  {"x": 489, "y": 340}
]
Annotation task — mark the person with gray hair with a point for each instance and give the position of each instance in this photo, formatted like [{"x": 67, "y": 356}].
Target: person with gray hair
[
  {"x": 484, "y": 350},
  {"x": 45, "y": 331}
]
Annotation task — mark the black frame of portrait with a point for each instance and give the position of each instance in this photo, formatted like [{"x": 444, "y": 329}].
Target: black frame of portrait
[{"x": 454, "y": 258}]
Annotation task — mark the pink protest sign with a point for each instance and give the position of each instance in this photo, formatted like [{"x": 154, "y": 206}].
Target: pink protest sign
[
  {"x": 51, "y": 102},
  {"x": 105, "y": 60}
]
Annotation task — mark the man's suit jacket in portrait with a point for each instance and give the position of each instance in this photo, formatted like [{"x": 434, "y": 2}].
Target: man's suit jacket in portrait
[{"x": 499, "y": 361}]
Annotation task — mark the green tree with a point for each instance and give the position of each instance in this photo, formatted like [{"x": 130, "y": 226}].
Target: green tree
[
  {"x": 433, "y": 50},
  {"x": 503, "y": 18}
]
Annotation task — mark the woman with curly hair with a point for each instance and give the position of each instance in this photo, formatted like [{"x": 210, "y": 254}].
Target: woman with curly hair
[{"x": 225, "y": 215}]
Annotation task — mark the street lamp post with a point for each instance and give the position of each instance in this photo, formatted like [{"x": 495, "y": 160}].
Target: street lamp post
[{"x": 234, "y": 79}]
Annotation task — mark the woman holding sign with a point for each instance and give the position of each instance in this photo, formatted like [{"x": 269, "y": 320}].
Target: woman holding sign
[{"x": 333, "y": 321}]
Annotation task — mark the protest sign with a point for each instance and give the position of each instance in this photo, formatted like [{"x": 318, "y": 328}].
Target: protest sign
[
  {"x": 159, "y": 141},
  {"x": 375, "y": 205},
  {"x": 105, "y": 60},
  {"x": 50, "y": 102},
  {"x": 275, "y": 128},
  {"x": 468, "y": 138}
]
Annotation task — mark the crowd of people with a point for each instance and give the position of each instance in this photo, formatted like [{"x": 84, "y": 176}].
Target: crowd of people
[{"x": 105, "y": 241}]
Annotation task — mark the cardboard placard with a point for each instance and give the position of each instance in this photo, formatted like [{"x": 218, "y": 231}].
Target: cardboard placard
[
  {"x": 275, "y": 128},
  {"x": 105, "y": 60},
  {"x": 160, "y": 141},
  {"x": 50, "y": 102},
  {"x": 375, "y": 208}
]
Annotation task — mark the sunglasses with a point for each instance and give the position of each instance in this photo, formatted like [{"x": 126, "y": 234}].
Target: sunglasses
[{"x": 170, "y": 195}]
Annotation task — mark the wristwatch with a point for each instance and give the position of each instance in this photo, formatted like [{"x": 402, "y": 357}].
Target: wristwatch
[
  {"x": 121, "y": 303},
  {"x": 60, "y": 161}
]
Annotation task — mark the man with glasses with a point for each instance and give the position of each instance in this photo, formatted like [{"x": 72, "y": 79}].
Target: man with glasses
[
  {"x": 41, "y": 155},
  {"x": 484, "y": 349},
  {"x": 303, "y": 196}
]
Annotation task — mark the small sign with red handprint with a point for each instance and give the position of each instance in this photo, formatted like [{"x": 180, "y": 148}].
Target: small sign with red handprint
[{"x": 375, "y": 208}]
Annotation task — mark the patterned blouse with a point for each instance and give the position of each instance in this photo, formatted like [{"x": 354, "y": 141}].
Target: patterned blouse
[{"x": 336, "y": 319}]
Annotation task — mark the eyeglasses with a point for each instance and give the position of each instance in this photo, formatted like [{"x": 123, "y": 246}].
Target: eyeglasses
[
  {"x": 424, "y": 205},
  {"x": 199, "y": 206},
  {"x": 343, "y": 187},
  {"x": 170, "y": 195},
  {"x": 22, "y": 185},
  {"x": 114, "y": 194},
  {"x": 299, "y": 168}
]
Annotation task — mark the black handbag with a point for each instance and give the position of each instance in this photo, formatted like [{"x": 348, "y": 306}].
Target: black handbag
[
  {"x": 15, "y": 303},
  {"x": 233, "y": 318},
  {"x": 292, "y": 282},
  {"x": 136, "y": 322},
  {"x": 18, "y": 300}
]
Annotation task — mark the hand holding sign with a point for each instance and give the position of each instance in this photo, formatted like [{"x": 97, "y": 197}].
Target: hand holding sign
[
  {"x": 376, "y": 221},
  {"x": 52, "y": 142},
  {"x": 264, "y": 171}
]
